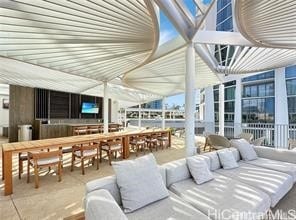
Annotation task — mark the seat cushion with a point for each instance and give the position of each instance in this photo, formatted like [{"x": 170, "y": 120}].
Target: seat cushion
[
  {"x": 275, "y": 184},
  {"x": 284, "y": 167},
  {"x": 140, "y": 182},
  {"x": 172, "y": 207},
  {"x": 45, "y": 161},
  {"x": 222, "y": 195},
  {"x": 113, "y": 147},
  {"x": 86, "y": 153}
]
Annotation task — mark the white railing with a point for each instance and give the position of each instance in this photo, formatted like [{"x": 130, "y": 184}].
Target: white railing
[{"x": 275, "y": 135}]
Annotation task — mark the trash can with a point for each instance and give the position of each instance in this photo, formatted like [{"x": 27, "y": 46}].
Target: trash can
[{"x": 24, "y": 132}]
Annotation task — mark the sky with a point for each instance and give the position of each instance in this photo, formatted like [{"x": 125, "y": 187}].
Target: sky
[{"x": 168, "y": 32}]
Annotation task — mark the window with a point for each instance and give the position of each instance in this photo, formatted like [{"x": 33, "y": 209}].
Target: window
[
  {"x": 229, "y": 93},
  {"x": 290, "y": 71},
  {"x": 262, "y": 76},
  {"x": 216, "y": 95},
  {"x": 259, "y": 110},
  {"x": 259, "y": 90},
  {"x": 229, "y": 107},
  {"x": 291, "y": 87}
]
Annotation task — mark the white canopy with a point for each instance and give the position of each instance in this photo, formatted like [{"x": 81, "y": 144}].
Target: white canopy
[
  {"x": 267, "y": 23},
  {"x": 75, "y": 45},
  {"x": 165, "y": 74}
]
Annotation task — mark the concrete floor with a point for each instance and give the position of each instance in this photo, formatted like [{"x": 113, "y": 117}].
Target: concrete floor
[{"x": 57, "y": 200}]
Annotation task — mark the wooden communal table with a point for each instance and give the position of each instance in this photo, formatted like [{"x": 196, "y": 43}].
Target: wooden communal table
[{"x": 9, "y": 149}]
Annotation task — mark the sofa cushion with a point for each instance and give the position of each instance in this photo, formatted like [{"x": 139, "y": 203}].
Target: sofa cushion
[
  {"x": 284, "y": 167},
  {"x": 139, "y": 181},
  {"x": 108, "y": 183},
  {"x": 235, "y": 153},
  {"x": 222, "y": 194},
  {"x": 199, "y": 169},
  {"x": 227, "y": 159},
  {"x": 172, "y": 207},
  {"x": 100, "y": 204},
  {"x": 275, "y": 184},
  {"x": 245, "y": 148},
  {"x": 176, "y": 171},
  {"x": 214, "y": 160}
]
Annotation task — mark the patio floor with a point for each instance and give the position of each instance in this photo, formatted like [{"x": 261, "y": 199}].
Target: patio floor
[{"x": 54, "y": 200}]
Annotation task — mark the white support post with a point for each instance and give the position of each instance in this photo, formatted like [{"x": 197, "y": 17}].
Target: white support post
[
  {"x": 163, "y": 113},
  {"x": 281, "y": 114},
  {"x": 190, "y": 101},
  {"x": 238, "y": 108},
  {"x": 106, "y": 108},
  {"x": 221, "y": 109},
  {"x": 139, "y": 118},
  {"x": 209, "y": 118}
]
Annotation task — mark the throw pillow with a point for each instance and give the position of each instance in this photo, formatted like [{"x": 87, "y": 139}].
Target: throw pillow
[
  {"x": 245, "y": 149},
  {"x": 227, "y": 159},
  {"x": 199, "y": 169},
  {"x": 139, "y": 182}
]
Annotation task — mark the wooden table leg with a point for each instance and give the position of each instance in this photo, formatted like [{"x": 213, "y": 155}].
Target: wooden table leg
[
  {"x": 125, "y": 141},
  {"x": 2, "y": 164},
  {"x": 7, "y": 173}
]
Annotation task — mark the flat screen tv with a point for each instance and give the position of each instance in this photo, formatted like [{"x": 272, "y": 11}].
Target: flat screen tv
[{"x": 89, "y": 108}]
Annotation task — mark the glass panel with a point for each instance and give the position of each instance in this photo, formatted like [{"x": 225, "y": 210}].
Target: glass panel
[
  {"x": 216, "y": 107},
  {"x": 216, "y": 95},
  {"x": 258, "y": 110},
  {"x": 269, "y": 89},
  {"x": 266, "y": 75},
  {"x": 290, "y": 71},
  {"x": 291, "y": 87},
  {"x": 229, "y": 106},
  {"x": 229, "y": 93}
]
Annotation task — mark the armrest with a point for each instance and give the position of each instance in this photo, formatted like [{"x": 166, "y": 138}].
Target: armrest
[
  {"x": 276, "y": 154},
  {"x": 107, "y": 183},
  {"x": 100, "y": 204}
]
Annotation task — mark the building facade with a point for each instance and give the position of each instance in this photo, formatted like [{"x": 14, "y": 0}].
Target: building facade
[{"x": 264, "y": 102}]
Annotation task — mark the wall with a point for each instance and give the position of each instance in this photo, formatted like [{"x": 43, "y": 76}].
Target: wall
[
  {"x": 4, "y": 113},
  {"x": 21, "y": 109}
]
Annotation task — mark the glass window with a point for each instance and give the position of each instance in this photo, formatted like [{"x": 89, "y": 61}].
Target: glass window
[
  {"x": 229, "y": 93},
  {"x": 291, "y": 86},
  {"x": 216, "y": 95},
  {"x": 216, "y": 107},
  {"x": 290, "y": 71},
  {"x": 269, "y": 89},
  {"x": 229, "y": 106},
  {"x": 292, "y": 104},
  {"x": 258, "y": 110},
  {"x": 230, "y": 83},
  {"x": 261, "y": 76}
]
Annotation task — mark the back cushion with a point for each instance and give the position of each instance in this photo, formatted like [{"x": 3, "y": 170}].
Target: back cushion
[
  {"x": 236, "y": 153},
  {"x": 176, "y": 171},
  {"x": 214, "y": 160}
]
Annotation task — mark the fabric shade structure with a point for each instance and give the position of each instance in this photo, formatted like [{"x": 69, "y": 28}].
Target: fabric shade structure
[
  {"x": 165, "y": 74},
  {"x": 267, "y": 23},
  {"x": 75, "y": 45},
  {"x": 229, "y": 59}
]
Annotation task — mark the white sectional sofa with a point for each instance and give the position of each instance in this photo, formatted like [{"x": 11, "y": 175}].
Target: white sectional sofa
[{"x": 252, "y": 188}]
